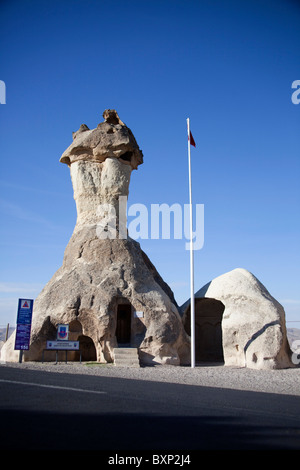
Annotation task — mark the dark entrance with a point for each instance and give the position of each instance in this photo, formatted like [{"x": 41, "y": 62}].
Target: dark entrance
[
  {"x": 208, "y": 329},
  {"x": 123, "y": 330},
  {"x": 87, "y": 347}
]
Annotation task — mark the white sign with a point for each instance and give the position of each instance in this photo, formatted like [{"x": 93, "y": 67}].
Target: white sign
[
  {"x": 63, "y": 345},
  {"x": 139, "y": 314}
]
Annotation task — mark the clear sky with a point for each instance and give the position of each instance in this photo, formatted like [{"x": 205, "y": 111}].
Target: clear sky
[{"x": 227, "y": 65}]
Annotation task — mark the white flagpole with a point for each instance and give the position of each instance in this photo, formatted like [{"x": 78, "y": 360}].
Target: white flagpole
[{"x": 192, "y": 308}]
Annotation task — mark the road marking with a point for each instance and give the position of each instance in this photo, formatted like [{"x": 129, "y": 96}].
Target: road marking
[{"x": 53, "y": 386}]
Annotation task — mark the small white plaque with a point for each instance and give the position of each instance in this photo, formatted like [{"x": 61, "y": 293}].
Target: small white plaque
[{"x": 138, "y": 314}]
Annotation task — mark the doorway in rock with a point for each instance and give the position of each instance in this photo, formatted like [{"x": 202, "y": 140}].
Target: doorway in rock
[
  {"x": 86, "y": 344},
  {"x": 87, "y": 347},
  {"x": 208, "y": 330},
  {"x": 123, "y": 329}
]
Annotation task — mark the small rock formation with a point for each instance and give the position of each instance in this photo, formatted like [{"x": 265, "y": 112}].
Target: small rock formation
[
  {"x": 107, "y": 289},
  {"x": 236, "y": 313}
]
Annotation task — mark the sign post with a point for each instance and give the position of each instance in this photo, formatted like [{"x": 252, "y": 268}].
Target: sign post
[{"x": 25, "y": 307}]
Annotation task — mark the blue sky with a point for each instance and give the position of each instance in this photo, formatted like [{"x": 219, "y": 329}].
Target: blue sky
[{"x": 227, "y": 65}]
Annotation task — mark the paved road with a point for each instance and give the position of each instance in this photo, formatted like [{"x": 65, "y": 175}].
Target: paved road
[{"x": 43, "y": 410}]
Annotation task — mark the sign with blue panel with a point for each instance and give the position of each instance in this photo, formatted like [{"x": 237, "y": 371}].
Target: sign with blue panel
[{"x": 23, "y": 329}]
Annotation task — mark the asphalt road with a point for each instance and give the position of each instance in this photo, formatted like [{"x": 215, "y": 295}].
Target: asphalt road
[{"x": 49, "y": 411}]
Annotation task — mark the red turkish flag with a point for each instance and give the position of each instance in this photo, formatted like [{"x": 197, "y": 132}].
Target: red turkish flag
[{"x": 192, "y": 140}]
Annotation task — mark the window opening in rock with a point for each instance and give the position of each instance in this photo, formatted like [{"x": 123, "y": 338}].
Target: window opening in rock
[{"x": 126, "y": 156}]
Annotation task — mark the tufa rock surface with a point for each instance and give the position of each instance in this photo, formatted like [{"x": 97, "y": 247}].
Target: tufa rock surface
[{"x": 102, "y": 278}]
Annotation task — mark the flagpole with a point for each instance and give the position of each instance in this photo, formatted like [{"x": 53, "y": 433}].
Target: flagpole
[{"x": 192, "y": 308}]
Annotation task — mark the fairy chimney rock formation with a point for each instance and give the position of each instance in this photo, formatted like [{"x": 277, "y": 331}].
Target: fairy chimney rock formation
[{"x": 107, "y": 289}]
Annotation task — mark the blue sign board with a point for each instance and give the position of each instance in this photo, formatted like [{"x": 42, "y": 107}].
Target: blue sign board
[{"x": 24, "y": 317}]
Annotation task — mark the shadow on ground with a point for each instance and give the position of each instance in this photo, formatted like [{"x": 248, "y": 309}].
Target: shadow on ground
[{"x": 40, "y": 430}]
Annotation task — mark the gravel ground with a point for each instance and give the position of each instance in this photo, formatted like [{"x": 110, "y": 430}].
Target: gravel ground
[{"x": 284, "y": 381}]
